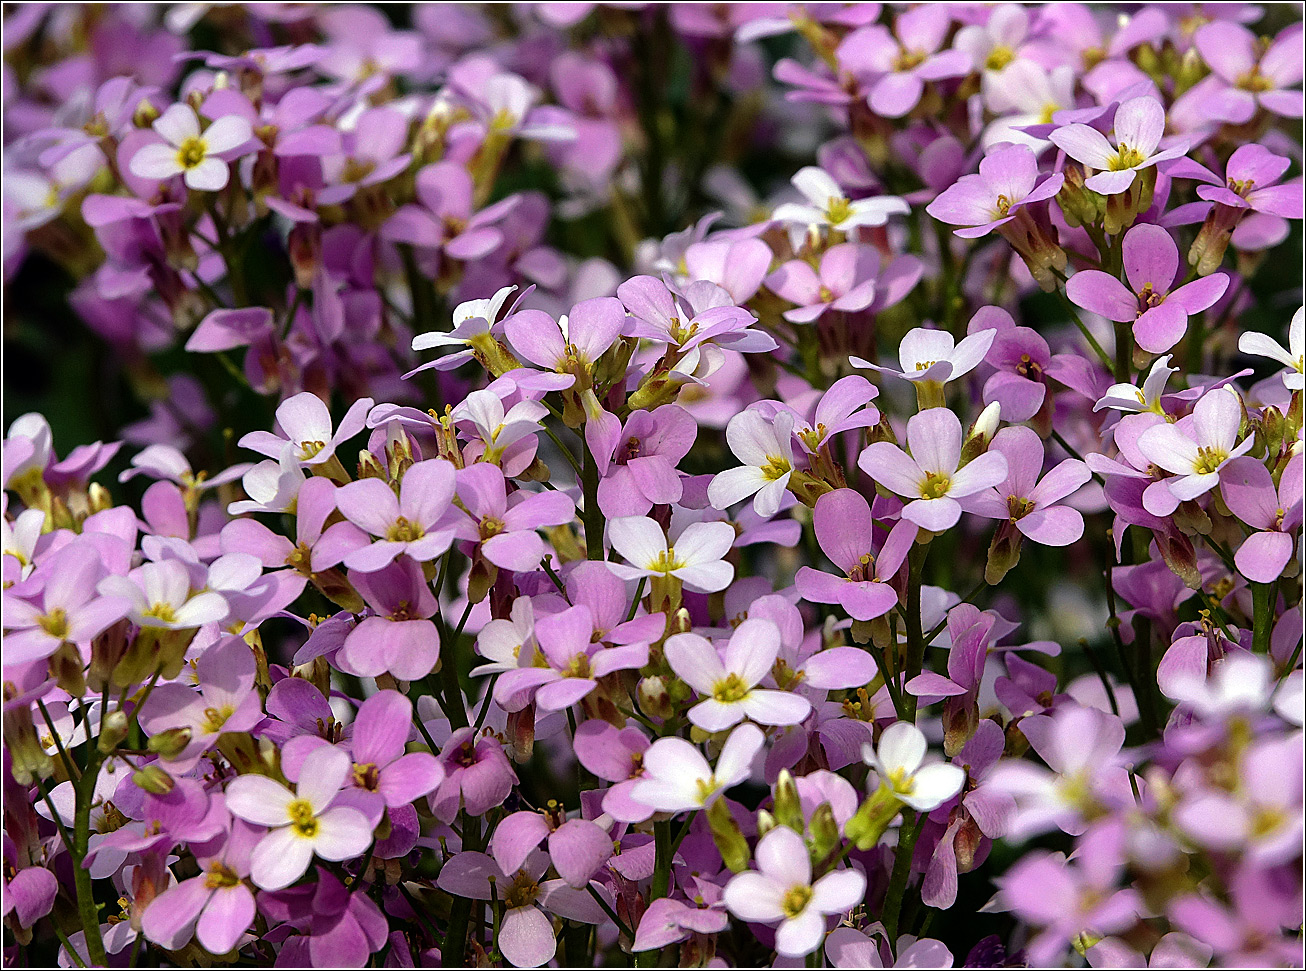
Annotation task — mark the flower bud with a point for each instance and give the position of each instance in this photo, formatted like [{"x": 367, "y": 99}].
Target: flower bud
[
  {"x": 169, "y": 744},
  {"x": 872, "y": 818},
  {"x": 981, "y": 433},
  {"x": 654, "y": 700},
  {"x": 787, "y": 805},
  {"x": 113, "y": 731},
  {"x": 825, "y": 831},
  {"x": 728, "y": 837},
  {"x": 154, "y": 780}
]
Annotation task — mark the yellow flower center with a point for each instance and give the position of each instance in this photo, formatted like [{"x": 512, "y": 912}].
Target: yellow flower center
[
  {"x": 935, "y": 486},
  {"x": 1018, "y": 507},
  {"x": 776, "y": 467},
  {"x": 215, "y": 718},
  {"x": 522, "y": 893},
  {"x": 907, "y": 60},
  {"x": 402, "y": 531},
  {"x": 1209, "y": 459},
  {"x": 302, "y": 820},
  {"x": 310, "y": 449},
  {"x": 191, "y": 152},
  {"x": 220, "y": 877},
  {"x": 730, "y": 690},
  {"x": 1125, "y": 158},
  {"x": 999, "y": 57},
  {"x": 162, "y": 611},
  {"x": 795, "y": 900},
  {"x": 367, "y": 776},
  {"x": 55, "y": 623},
  {"x": 837, "y": 209}
]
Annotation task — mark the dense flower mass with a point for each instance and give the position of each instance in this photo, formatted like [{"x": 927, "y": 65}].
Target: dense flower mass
[{"x": 699, "y": 485}]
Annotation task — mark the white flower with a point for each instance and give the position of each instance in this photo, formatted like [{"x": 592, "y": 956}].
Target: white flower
[
  {"x": 304, "y": 822},
  {"x": 1128, "y": 397},
  {"x": 677, "y": 777},
  {"x": 781, "y": 890},
  {"x": 189, "y": 152},
  {"x": 1294, "y": 358},
  {"x": 729, "y": 690},
  {"x": 766, "y": 449},
  {"x": 898, "y": 762},
  {"x": 272, "y": 486},
  {"x": 696, "y": 558},
  {"x": 828, "y": 206},
  {"x": 160, "y": 596},
  {"x": 933, "y": 355}
]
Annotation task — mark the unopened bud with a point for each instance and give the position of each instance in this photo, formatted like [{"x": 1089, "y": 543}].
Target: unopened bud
[
  {"x": 113, "y": 732},
  {"x": 654, "y": 700},
  {"x": 728, "y": 837},
  {"x": 145, "y": 114},
  {"x": 153, "y": 780},
  {"x": 787, "y": 806},
  {"x": 981, "y": 433},
  {"x": 825, "y": 831},
  {"x": 169, "y": 744},
  {"x": 872, "y": 818}
]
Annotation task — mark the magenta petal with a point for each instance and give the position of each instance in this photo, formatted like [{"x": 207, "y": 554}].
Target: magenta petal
[
  {"x": 842, "y": 520},
  {"x": 867, "y": 599},
  {"x": 381, "y": 728},
  {"x": 1102, "y": 294},
  {"x": 1161, "y": 327},
  {"x": 410, "y": 777},
  {"x": 815, "y": 586},
  {"x": 578, "y": 848},
  {"x": 1263, "y": 556},
  {"x": 1201, "y": 293},
  {"x": 1053, "y": 526},
  {"x": 516, "y": 837},
  {"x": 839, "y": 668},
  {"x": 1151, "y": 258},
  {"x": 227, "y": 916}
]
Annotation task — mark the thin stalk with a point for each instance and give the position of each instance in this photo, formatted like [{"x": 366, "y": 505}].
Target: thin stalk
[
  {"x": 1262, "y": 616},
  {"x": 593, "y": 515},
  {"x": 915, "y": 638},
  {"x": 907, "y": 836}
]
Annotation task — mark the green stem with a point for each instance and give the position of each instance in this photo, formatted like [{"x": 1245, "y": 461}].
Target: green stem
[
  {"x": 87, "y": 909},
  {"x": 907, "y": 836},
  {"x": 593, "y": 515},
  {"x": 1262, "y": 616},
  {"x": 915, "y": 638}
]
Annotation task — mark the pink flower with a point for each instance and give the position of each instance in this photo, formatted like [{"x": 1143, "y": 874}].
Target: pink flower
[
  {"x": 846, "y": 282},
  {"x": 1194, "y": 449},
  {"x": 1249, "y": 491},
  {"x": 1025, "y": 500},
  {"x": 526, "y": 935},
  {"x": 504, "y": 526},
  {"x": 929, "y": 477},
  {"x": 414, "y": 523},
  {"x": 845, "y": 532},
  {"x": 1159, "y": 314},
  {"x": 572, "y": 663},
  {"x": 1139, "y": 125},
  {"x": 306, "y": 422}
]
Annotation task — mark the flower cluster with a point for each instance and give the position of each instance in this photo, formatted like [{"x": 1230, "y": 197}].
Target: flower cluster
[{"x": 632, "y": 484}]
